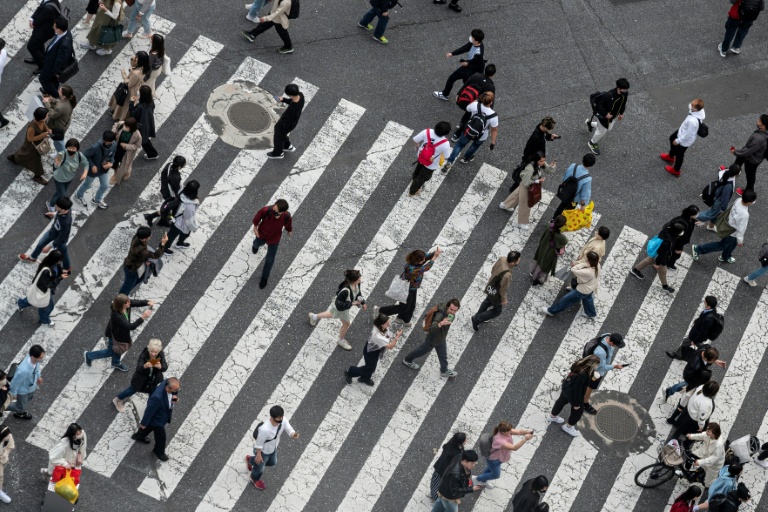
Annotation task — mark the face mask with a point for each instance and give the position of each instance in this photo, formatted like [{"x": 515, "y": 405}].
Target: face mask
[
  {"x": 71, "y": 153},
  {"x": 541, "y": 492},
  {"x": 472, "y": 41},
  {"x": 277, "y": 214},
  {"x": 690, "y": 106}
]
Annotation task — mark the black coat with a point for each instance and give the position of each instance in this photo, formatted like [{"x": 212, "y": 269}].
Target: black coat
[
  {"x": 56, "y": 57},
  {"x": 685, "y": 238},
  {"x": 667, "y": 247},
  {"x": 456, "y": 481},
  {"x": 696, "y": 371},
  {"x": 574, "y": 387},
  {"x": 536, "y": 142},
  {"x": 145, "y": 116},
  {"x": 119, "y": 327},
  {"x": 170, "y": 182},
  {"x": 702, "y": 326},
  {"x": 610, "y": 103},
  {"x": 43, "y": 18},
  {"x": 450, "y": 452},
  {"x": 526, "y": 500},
  {"x": 145, "y": 380}
]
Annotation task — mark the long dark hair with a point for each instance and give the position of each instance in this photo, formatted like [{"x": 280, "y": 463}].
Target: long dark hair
[
  {"x": 70, "y": 434},
  {"x": 380, "y": 321},
  {"x": 190, "y": 189},
  {"x": 456, "y": 440},
  {"x": 145, "y": 96},
  {"x": 535, "y": 157},
  {"x": 593, "y": 258},
  {"x": 691, "y": 493},
  {"x": 4, "y": 432},
  {"x": 69, "y": 94},
  {"x": 142, "y": 61},
  {"x": 585, "y": 364},
  {"x": 158, "y": 47},
  {"x": 51, "y": 260}
]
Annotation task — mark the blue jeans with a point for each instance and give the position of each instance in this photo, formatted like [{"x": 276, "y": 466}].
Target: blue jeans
[
  {"x": 571, "y": 298},
  {"x": 45, "y": 240},
  {"x": 255, "y": 8},
  {"x": 103, "y": 186},
  {"x": 727, "y": 245},
  {"x": 270, "y": 259},
  {"x": 20, "y": 405},
  {"x": 444, "y": 505},
  {"x": 677, "y": 387},
  {"x": 735, "y": 31},
  {"x": 44, "y": 314},
  {"x": 59, "y": 145},
  {"x": 463, "y": 141},
  {"x": 381, "y": 25},
  {"x": 757, "y": 273},
  {"x": 130, "y": 281},
  {"x": 61, "y": 191},
  {"x": 266, "y": 460},
  {"x": 104, "y": 353},
  {"x": 492, "y": 471},
  {"x": 129, "y": 391},
  {"x": 711, "y": 214},
  {"x": 133, "y": 25}
]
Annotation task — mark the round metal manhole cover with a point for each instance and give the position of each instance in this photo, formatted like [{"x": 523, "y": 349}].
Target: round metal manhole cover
[
  {"x": 249, "y": 117},
  {"x": 616, "y": 423}
]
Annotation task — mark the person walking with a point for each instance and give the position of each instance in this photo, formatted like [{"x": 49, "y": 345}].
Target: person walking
[
  {"x": 692, "y": 415},
  {"x": 127, "y": 143},
  {"x": 416, "y": 264},
  {"x": 142, "y": 109},
  {"x": 607, "y": 108},
  {"x": 57, "y": 237},
  {"x": 443, "y": 316},
  {"x": 537, "y": 142},
  {"x": 684, "y": 137},
  {"x": 348, "y": 294},
  {"x": 268, "y": 226},
  {"x": 696, "y": 371},
  {"x": 378, "y": 341},
  {"x": 762, "y": 269},
  {"x": 605, "y": 349},
  {"x": 40, "y": 295},
  {"x": 454, "y": 5},
  {"x": 69, "y": 452},
  {"x": 496, "y": 289},
  {"x": 474, "y": 63},
  {"x": 451, "y": 450},
  {"x": 57, "y": 55},
  {"x": 741, "y": 15},
  {"x": 184, "y": 220},
  {"x": 456, "y": 482},
  {"x": 67, "y": 164},
  {"x": 669, "y": 235},
  {"x": 278, "y": 18},
  {"x": 731, "y": 226},
  {"x": 528, "y": 498},
  {"x": 25, "y": 382},
  {"x": 706, "y": 327},
  {"x": 267, "y": 436},
  {"x": 483, "y": 122},
  {"x": 158, "y": 414},
  {"x": 288, "y": 121},
  {"x": 109, "y": 13},
  {"x": 28, "y": 155},
  {"x": 595, "y": 244},
  {"x": 730, "y": 495},
  {"x": 573, "y": 390},
  {"x": 688, "y": 218},
  {"x": 41, "y": 24},
  {"x": 136, "y": 262},
  {"x": 473, "y": 87},
  {"x": 432, "y": 148},
  {"x": 7, "y": 445},
  {"x": 753, "y": 152},
  {"x": 133, "y": 78},
  {"x": 709, "y": 452},
  {"x": 101, "y": 158},
  {"x": 90, "y": 11},
  {"x": 582, "y": 194},
  {"x": 726, "y": 185},
  {"x": 118, "y": 330},
  {"x": 587, "y": 283},
  {"x": 60, "y": 114},
  {"x": 501, "y": 449},
  {"x": 140, "y": 13},
  {"x": 551, "y": 246},
  {"x": 150, "y": 367},
  {"x": 159, "y": 61},
  {"x": 686, "y": 501},
  {"x": 532, "y": 173},
  {"x": 170, "y": 184},
  {"x": 379, "y": 9}
]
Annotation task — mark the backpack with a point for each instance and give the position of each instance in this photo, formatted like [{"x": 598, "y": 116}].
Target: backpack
[
  {"x": 468, "y": 94},
  {"x": 427, "y": 152},
  {"x": 484, "y": 444},
  {"x": 591, "y": 345},
  {"x": 494, "y": 287},
  {"x": 168, "y": 211},
  {"x": 709, "y": 194},
  {"x": 749, "y": 10},
  {"x": 476, "y": 124},
  {"x": 763, "y": 255},
  {"x": 256, "y": 431},
  {"x": 293, "y": 12},
  {"x": 594, "y": 98},
  {"x": 717, "y": 327},
  {"x": 517, "y": 171},
  {"x": 703, "y": 130},
  {"x": 63, "y": 10},
  {"x": 568, "y": 188},
  {"x": 428, "y": 318}
]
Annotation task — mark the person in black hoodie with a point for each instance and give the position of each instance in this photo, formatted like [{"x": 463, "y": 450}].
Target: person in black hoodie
[
  {"x": 608, "y": 107},
  {"x": 688, "y": 218},
  {"x": 700, "y": 330},
  {"x": 574, "y": 388},
  {"x": 696, "y": 371},
  {"x": 453, "y": 448},
  {"x": 42, "y": 30},
  {"x": 481, "y": 83},
  {"x": 669, "y": 235},
  {"x": 475, "y": 63},
  {"x": 456, "y": 482},
  {"x": 529, "y": 496},
  {"x": 57, "y": 236},
  {"x": 170, "y": 184},
  {"x": 288, "y": 121}
]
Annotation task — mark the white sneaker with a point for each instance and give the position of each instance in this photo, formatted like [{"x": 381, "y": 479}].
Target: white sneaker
[
  {"x": 248, "y": 6},
  {"x": 252, "y": 20},
  {"x": 555, "y": 419},
  {"x": 103, "y": 51},
  {"x": 582, "y": 313},
  {"x": 344, "y": 344},
  {"x": 4, "y": 497},
  {"x": 523, "y": 227},
  {"x": 449, "y": 373},
  {"x": 712, "y": 228},
  {"x": 750, "y": 283},
  {"x": 761, "y": 463},
  {"x": 101, "y": 204},
  {"x": 571, "y": 430},
  {"x": 735, "y": 50},
  {"x": 375, "y": 312},
  {"x": 312, "y": 319},
  {"x": 119, "y": 404},
  {"x": 504, "y": 207},
  {"x": 87, "y": 46},
  {"x": 544, "y": 310},
  {"x": 487, "y": 485},
  {"x": 720, "y": 49}
]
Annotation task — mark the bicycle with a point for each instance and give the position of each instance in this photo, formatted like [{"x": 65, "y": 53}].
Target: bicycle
[{"x": 671, "y": 463}]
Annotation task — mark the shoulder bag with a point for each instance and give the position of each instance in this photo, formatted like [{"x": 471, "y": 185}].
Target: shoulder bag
[
  {"x": 44, "y": 146},
  {"x": 37, "y": 297},
  {"x": 112, "y": 33},
  {"x": 121, "y": 93},
  {"x": 118, "y": 347},
  {"x": 398, "y": 289}
]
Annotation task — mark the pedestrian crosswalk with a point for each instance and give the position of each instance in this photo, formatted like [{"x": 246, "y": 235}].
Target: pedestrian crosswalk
[{"x": 294, "y": 286}]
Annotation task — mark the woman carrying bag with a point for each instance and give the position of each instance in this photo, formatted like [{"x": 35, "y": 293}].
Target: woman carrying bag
[
  {"x": 128, "y": 141},
  {"x": 118, "y": 331},
  {"x": 142, "y": 108},
  {"x": 572, "y": 392},
  {"x": 109, "y": 15},
  {"x": 40, "y": 294},
  {"x": 184, "y": 222},
  {"x": 551, "y": 246},
  {"x": 60, "y": 115},
  {"x": 587, "y": 276},
  {"x": 132, "y": 80},
  {"x": 416, "y": 264},
  {"x": 349, "y": 294},
  {"x": 159, "y": 61},
  {"x": 69, "y": 452},
  {"x": 36, "y": 143},
  {"x": 531, "y": 176},
  {"x": 148, "y": 374},
  {"x": 373, "y": 350}
]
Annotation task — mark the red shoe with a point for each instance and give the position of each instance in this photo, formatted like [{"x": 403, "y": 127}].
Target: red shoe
[
  {"x": 259, "y": 484},
  {"x": 722, "y": 167},
  {"x": 248, "y": 463},
  {"x": 739, "y": 191},
  {"x": 24, "y": 257},
  {"x": 671, "y": 170},
  {"x": 667, "y": 158}
]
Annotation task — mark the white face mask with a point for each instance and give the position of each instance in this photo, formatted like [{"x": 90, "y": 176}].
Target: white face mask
[
  {"x": 690, "y": 107},
  {"x": 472, "y": 41}
]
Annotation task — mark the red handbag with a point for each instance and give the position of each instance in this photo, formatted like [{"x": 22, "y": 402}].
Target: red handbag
[
  {"x": 534, "y": 194},
  {"x": 60, "y": 472}
]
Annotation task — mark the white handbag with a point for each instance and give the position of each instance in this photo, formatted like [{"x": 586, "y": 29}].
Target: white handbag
[
  {"x": 398, "y": 289},
  {"x": 36, "y": 297}
]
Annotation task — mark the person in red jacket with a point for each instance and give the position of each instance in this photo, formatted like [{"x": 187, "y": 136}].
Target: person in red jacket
[
  {"x": 740, "y": 17},
  {"x": 268, "y": 224}
]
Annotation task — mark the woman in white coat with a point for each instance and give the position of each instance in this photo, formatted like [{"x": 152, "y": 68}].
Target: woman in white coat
[
  {"x": 6, "y": 447},
  {"x": 69, "y": 452},
  {"x": 184, "y": 221},
  {"x": 710, "y": 452}
]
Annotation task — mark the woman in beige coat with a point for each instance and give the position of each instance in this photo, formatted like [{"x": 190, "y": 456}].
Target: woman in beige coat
[
  {"x": 6, "y": 447},
  {"x": 278, "y": 18},
  {"x": 128, "y": 143},
  {"x": 533, "y": 173},
  {"x": 133, "y": 78}
]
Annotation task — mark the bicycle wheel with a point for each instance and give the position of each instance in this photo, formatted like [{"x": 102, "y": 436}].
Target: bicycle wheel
[{"x": 654, "y": 475}]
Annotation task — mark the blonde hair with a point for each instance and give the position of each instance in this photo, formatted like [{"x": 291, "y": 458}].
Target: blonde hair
[{"x": 155, "y": 344}]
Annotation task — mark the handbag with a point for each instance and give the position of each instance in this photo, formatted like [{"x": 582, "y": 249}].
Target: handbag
[
  {"x": 66, "y": 488},
  {"x": 118, "y": 347},
  {"x": 111, "y": 34},
  {"x": 37, "y": 297},
  {"x": 121, "y": 93},
  {"x": 578, "y": 219},
  {"x": 44, "y": 146},
  {"x": 534, "y": 194},
  {"x": 653, "y": 247},
  {"x": 398, "y": 289},
  {"x": 71, "y": 68}
]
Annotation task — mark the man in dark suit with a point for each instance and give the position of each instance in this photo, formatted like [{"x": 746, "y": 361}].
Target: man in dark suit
[
  {"x": 56, "y": 57},
  {"x": 700, "y": 330},
  {"x": 42, "y": 30},
  {"x": 158, "y": 414}
]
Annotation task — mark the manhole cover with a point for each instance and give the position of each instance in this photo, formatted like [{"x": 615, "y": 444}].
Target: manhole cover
[
  {"x": 616, "y": 423},
  {"x": 249, "y": 117}
]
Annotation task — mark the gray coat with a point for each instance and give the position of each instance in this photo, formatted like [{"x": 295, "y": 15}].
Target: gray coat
[
  {"x": 754, "y": 150},
  {"x": 437, "y": 335}
]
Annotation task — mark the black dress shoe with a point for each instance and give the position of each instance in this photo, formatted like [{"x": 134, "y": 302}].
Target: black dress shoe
[
  {"x": 140, "y": 439},
  {"x": 37, "y": 71},
  {"x": 454, "y": 7},
  {"x": 163, "y": 457},
  {"x": 368, "y": 382},
  {"x": 589, "y": 409},
  {"x": 29, "y": 60},
  {"x": 22, "y": 415},
  {"x": 263, "y": 283},
  {"x": 347, "y": 377}
]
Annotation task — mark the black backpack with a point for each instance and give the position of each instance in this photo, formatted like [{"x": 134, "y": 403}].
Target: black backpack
[
  {"x": 517, "y": 171},
  {"x": 749, "y": 10},
  {"x": 717, "y": 327},
  {"x": 709, "y": 194},
  {"x": 718, "y": 502},
  {"x": 476, "y": 124},
  {"x": 703, "y": 130},
  {"x": 762, "y": 256},
  {"x": 168, "y": 211},
  {"x": 256, "y": 431},
  {"x": 493, "y": 289},
  {"x": 591, "y": 345},
  {"x": 594, "y": 99},
  {"x": 293, "y": 12},
  {"x": 568, "y": 188}
]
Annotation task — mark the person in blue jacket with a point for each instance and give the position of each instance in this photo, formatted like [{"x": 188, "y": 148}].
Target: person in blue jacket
[
  {"x": 157, "y": 414},
  {"x": 584, "y": 188},
  {"x": 25, "y": 382}
]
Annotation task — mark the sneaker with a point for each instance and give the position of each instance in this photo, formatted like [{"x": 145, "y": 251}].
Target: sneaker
[
  {"x": 252, "y": 20},
  {"x": 711, "y": 228},
  {"x": 382, "y": 39},
  {"x": 285, "y": 50},
  {"x": 667, "y": 158},
  {"x": 81, "y": 201},
  {"x": 272, "y": 156},
  {"x": 544, "y": 310},
  {"x": 523, "y": 227},
  {"x": 368, "y": 27},
  {"x": 571, "y": 430},
  {"x": 466, "y": 160},
  {"x": 409, "y": 364},
  {"x": 85, "y": 358},
  {"x": 138, "y": 439},
  {"x": 100, "y": 204},
  {"x": 347, "y": 377},
  {"x": 22, "y": 415},
  {"x": 147, "y": 157},
  {"x": 589, "y": 409},
  {"x": 445, "y": 168},
  {"x": 248, "y": 36},
  {"x": 454, "y": 7},
  {"x": 103, "y": 51},
  {"x": 148, "y": 219},
  {"x": 729, "y": 260},
  {"x": 503, "y": 207},
  {"x": 487, "y": 485},
  {"x": 439, "y": 95},
  {"x": 49, "y": 324},
  {"x": 292, "y": 148},
  {"x": 447, "y": 374},
  {"x": 720, "y": 49},
  {"x": 182, "y": 245},
  {"x": 127, "y": 35},
  {"x": 589, "y": 125},
  {"x": 45, "y": 474},
  {"x": 312, "y": 319},
  {"x": 87, "y": 46},
  {"x": 735, "y": 51},
  {"x": 554, "y": 419},
  {"x": 585, "y": 315},
  {"x": 671, "y": 170},
  {"x": 454, "y": 138},
  {"x": 750, "y": 283},
  {"x": 594, "y": 148},
  {"x": 694, "y": 253},
  {"x": 668, "y": 289},
  {"x": 367, "y": 382},
  {"x": 168, "y": 251},
  {"x": 407, "y": 324},
  {"x": 119, "y": 404},
  {"x": 120, "y": 367},
  {"x": 637, "y": 273},
  {"x": 475, "y": 325},
  {"x": 739, "y": 191},
  {"x": 761, "y": 463},
  {"x": 51, "y": 209},
  {"x": 259, "y": 484},
  {"x": 28, "y": 259},
  {"x": 248, "y": 463},
  {"x": 344, "y": 344}
]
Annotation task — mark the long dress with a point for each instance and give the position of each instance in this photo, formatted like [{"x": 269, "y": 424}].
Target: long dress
[
  {"x": 104, "y": 18},
  {"x": 27, "y": 155}
]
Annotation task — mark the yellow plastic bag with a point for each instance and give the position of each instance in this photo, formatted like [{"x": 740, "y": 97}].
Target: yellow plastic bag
[
  {"x": 578, "y": 219},
  {"x": 67, "y": 489}
]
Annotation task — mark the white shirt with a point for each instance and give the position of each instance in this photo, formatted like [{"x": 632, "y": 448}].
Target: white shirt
[
  {"x": 491, "y": 123},
  {"x": 269, "y": 437},
  {"x": 377, "y": 340},
  {"x": 738, "y": 219},
  {"x": 443, "y": 149},
  {"x": 686, "y": 134}
]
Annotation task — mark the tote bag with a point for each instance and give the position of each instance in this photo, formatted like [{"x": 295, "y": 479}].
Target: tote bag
[
  {"x": 578, "y": 219},
  {"x": 398, "y": 289},
  {"x": 534, "y": 194},
  {"x": 36, "y": 297}
]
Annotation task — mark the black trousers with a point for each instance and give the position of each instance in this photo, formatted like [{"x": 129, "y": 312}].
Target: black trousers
[
  {"x": 149, "y": 148},
  {"x": 421, "y": 175},
  {"x": 160, "y": 438},
  {"x": 93, "y": 7},
  {"x": 488, "y": 310},
  {"x": 575, "y": 415},
  {"x": 676, "y": 152},
  {"x": 36, "y": 48},
  {"x": 371, "y": 361},
  {"x": 280, "y": 140},
  {"x": 283, "y": 33},
  {"x": 460, "y": 74},
  {"x": 462, "y": 124},
  {"x": 404, "y": 311},
  {"x": 750, "y": 170},
  {"x": 564, "y": 205},
  {"x": 50, "y": 84},
  {"x": 174, "y": 232}
]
